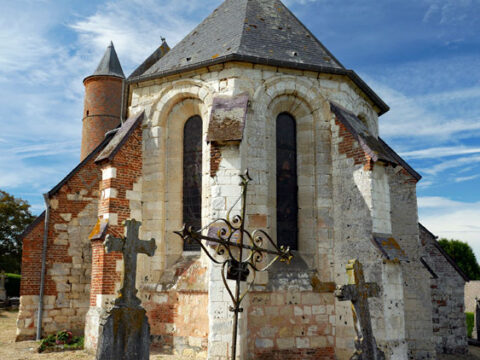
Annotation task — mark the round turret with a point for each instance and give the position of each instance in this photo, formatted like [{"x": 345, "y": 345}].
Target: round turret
[{"x": 103, "y": 101}]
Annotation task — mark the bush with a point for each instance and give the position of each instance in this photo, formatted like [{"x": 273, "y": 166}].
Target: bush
[
  {"x": 470, "y": 323},
  {"x": 63, "y": 340},
  {"x": 12, "y": 284}
]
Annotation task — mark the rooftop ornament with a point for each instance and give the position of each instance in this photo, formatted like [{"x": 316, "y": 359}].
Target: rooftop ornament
[{"x": 241, "y": 253}]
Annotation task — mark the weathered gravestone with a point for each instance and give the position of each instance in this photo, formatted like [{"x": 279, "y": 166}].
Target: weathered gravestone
[
  {"x": 125, "y": 332},
  {"x": 358, "y": 291},
  {"x": 3, "y": 292}
]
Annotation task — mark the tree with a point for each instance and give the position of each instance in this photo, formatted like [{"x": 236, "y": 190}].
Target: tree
[
  {"x": 463, "y": 255},
  {"x": 15, "y": 216}
]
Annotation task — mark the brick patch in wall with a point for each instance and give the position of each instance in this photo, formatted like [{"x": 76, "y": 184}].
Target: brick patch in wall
[
  {"x": 215, "y": 158},
  {"x": 349, "y": 146}
]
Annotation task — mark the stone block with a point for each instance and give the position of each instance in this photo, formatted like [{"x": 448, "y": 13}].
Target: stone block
[
  {"x": 263, "y": 343},
  {"x": 286, "y": 343}
]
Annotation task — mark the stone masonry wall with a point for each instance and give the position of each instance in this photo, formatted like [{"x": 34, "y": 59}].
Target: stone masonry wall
[
  {"x": 73, "y": 211},
  {"x": 291, "y": 325},
  {"x": 472, "y": 290},
  {"x": 173, "y": 281},
  {"x": 271, "y": 90},
  {"x": 353, "y": 181},
  {"x": 448, "y": 317},
  {"x": 418, "y": 312}
]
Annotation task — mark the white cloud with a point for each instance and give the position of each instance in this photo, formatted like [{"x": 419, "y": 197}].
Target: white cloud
[
  {"x": 466, "y": 178},
  {"x": 136, "y": 27},
  {"x": 452, "y": 219},
  {"x": 452, "y": 164},
  {"x": 408, "y": 118},
  {"x": 437, "y": 152}
]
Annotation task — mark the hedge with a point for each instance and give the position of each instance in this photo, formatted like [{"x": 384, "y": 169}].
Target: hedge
[{"x": 12, "y": 284}]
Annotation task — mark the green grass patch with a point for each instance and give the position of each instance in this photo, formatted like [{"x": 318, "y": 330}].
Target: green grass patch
[{"x": 470, "y": 322}]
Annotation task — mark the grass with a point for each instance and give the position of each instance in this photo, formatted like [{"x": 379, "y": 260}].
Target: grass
[{"x": 470, "y": 321}]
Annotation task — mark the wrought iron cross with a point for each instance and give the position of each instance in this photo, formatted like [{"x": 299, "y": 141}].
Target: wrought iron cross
[
  {"x": 130, "y": 246},
  {"x": 244, "y": 251},
  {"x": 358, "y": 291}
]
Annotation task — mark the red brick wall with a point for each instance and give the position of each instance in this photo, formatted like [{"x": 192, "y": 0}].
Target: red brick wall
[
  {"x": 102, "y": 109},
  {"x": 31, "y": 266},
  {"x": 350, "y": 147},
  {"x": 128, "y": 162}
]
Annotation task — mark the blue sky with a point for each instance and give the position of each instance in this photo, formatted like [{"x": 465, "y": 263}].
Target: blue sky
[{"x": 421, "y": 56}]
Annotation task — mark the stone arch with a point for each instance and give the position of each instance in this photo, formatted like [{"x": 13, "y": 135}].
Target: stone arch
[
  {"x": 178, "y": 91},
  {"x": 301, "y": 99},
  {"x": 163, "y": 160},
  {"x": 175, "y": 121}
]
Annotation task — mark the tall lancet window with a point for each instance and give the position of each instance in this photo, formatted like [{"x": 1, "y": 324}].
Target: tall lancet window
[
  {"x": 192, "y": 176},
  {"x": 287, "y": 190}
]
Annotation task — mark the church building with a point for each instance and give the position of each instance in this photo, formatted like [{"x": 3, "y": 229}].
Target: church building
[{"x": 250, "y": 88}]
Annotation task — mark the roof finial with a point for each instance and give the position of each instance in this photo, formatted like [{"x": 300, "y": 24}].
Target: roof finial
[{"x": 163, "y": 39}]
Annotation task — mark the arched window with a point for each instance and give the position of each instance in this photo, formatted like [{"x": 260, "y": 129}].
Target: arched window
[
  {"x": 192, "y": 176},
  {"x": 287, "y": 190}
]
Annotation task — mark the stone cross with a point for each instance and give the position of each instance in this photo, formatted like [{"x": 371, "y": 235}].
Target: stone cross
[
  {"x": 358, "y": 291},
  {"x": 130, "y": 246}
]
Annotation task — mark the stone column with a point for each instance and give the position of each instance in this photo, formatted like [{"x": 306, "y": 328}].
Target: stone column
[{"x": 224, "y": 192}]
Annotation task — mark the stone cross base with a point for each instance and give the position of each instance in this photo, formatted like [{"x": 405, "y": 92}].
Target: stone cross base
[
  {"x": 3, "y": 295},
  {"x": 124, "y": 335}
]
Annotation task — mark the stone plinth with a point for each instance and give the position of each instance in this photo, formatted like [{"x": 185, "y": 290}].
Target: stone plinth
[{"x": 124, "y": 335}]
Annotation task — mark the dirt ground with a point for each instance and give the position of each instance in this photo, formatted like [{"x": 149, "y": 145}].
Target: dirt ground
[{"x": 26, "y": 350}]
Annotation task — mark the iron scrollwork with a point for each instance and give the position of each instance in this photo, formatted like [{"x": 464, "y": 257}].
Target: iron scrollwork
[{"x": 239, "y": 252}]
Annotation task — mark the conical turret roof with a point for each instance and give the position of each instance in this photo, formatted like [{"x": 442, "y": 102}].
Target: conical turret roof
[{"x": 109, "y": 65}]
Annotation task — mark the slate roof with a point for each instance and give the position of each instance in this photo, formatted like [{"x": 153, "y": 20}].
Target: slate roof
[
  {"x": 151, "y": 60},
  {"x": 376, "y": 148},
  {"x": 121, "y": 135},
  {"x": 106, "y": 140},
  {"x": 389, "y": 247},
  {"x": 255, "y": 31},
  {"x": 447, "y": 257},
  {"x": 29, "y": 228},
  {"x": 109, "y": 65}
]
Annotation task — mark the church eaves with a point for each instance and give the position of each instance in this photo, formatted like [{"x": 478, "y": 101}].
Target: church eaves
[
  {"x": 255, "y": 31},
  {"x": 109, "y": 65}
]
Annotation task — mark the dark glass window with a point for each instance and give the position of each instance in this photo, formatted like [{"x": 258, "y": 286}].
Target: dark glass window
[
  {"x": 287, "y": 191},
  {"x": 192, "y": 176}
]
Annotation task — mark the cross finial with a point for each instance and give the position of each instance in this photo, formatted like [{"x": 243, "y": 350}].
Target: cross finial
[{"x": 130, "y": 246}]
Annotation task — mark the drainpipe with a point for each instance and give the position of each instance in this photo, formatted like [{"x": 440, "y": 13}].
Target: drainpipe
[{"x": 44, "y": 260}]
